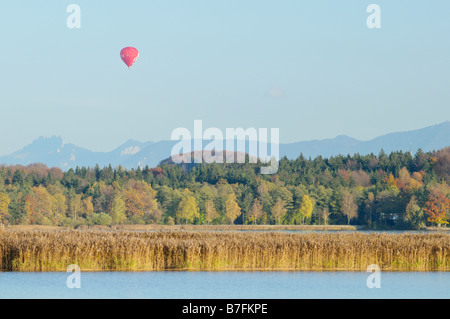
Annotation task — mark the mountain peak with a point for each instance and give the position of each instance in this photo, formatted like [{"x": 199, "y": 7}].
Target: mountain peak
[
  {"x": 343, "y": 137},
  {"x": 131, "y": 147},
  {"x": 52, "y": 143},
  {"x": 49, "y": 138}
]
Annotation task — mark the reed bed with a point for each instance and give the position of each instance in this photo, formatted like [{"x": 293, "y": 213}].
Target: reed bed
[{"x": 37, "y": 250}]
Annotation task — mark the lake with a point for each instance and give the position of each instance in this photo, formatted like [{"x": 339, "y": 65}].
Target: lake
[{"x": 227, "y": 285}]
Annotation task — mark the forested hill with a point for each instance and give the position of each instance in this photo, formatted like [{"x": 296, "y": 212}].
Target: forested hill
[
  {"x": 53, "y": 151},
  {"x": 393, "y": 190}
]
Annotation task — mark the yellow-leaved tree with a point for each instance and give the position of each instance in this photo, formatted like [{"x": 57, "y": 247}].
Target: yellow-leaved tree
[
  {"x": 232, "y": 209},
  {"x": 210, "y": 211},
  {"x": 306, "y": 208},
  {"x": 4, "y": 204},
  {"x": 118, "y": 209},
  {"x": 187, "y": 209}
]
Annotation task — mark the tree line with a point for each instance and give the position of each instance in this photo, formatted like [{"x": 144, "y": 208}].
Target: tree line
[{"x": 399, "y": 190}]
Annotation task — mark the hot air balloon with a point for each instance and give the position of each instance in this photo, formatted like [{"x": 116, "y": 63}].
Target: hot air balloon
[{"x": 129, "y": 55}]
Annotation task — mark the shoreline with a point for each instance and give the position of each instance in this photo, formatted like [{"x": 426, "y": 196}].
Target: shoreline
[
  {"x": 265, "y": 228},
  {"x": 299, "y": 270}
]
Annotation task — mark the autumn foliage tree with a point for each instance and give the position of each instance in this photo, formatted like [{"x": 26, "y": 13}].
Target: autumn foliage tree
[
  {"x": 279, "y": 210},
  {"x": 118, "y": 210},
  {"x": 348, "y": 206},
  {"x": 187, "y": 209},
  {"x": 232, "y": 209},
  {"x": 4, "y": 204},
  {"x": 140, "y": 202},
  {"x": 256, "y": 212},
  {"x": 39, "y": 206},
  {"x": 306, "y": 208},
  {"x": 442, "y": 165},
  {"x": 210, "y": 211},
  {"x": 437, "y": 207}
]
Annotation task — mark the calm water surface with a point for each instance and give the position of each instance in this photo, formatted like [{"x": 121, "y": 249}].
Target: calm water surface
[{"x": 212, "y": 285}]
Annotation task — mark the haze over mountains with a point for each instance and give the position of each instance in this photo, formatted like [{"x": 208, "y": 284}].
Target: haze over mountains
[{"x": 53, "y": 152}]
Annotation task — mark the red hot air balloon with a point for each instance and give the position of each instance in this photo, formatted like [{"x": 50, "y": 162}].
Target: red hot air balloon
[{"x": 129, "y": 55}]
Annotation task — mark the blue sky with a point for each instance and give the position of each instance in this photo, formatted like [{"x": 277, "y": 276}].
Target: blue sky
[{"x": 310, "y": 68}]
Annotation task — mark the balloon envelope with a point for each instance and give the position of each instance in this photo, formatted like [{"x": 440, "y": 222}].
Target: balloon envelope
[{"x": 129, "y": 55}]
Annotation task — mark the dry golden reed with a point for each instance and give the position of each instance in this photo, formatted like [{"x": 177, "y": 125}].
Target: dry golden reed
[{"x": 44, "y": 250}]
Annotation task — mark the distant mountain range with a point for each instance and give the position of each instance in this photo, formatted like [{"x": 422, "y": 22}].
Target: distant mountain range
[{"x": 53, "y": 152}]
